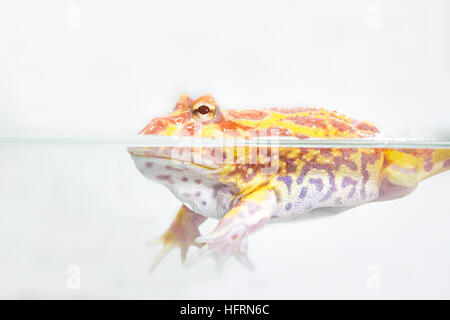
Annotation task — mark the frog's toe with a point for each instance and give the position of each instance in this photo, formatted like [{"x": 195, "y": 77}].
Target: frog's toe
[
  {"x": 204, "y": 251},
  {"x": 167, "y": 247},
  {"x": 222, "y": 246},
  {"x": 169, "y": 243},
  {"x": 164, "y": 251}
]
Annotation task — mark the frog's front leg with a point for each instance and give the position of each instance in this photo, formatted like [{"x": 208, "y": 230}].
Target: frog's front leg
[
  {"x": 229, "y": 238},
  {"x": 181, "y": 233}
]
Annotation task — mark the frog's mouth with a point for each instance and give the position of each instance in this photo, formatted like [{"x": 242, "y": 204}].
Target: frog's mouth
[
  {"x": 179, "y": 156},
  {"x": 196, "y": 185}
]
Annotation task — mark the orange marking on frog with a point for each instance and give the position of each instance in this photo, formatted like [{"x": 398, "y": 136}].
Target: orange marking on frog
[
  {"x": 427, "y": 155},
  {"x": 367, "y": 127},
  {"x": 179, "y": 119},
  {"x": 248, "y": 114},
  {"x": 341, "y": 126},
  {"x": 292, "y": 110},
  {"x": 188, "y": 129},
  {"x": 274, "y": 131},
  {"x": 230, "y": 127},
  {"x": 154, "y": 127},
  {"x": 309, "y": 121}
]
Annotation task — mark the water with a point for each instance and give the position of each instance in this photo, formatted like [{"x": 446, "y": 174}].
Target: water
[
  {"x": 78, "y": 210},
  {"x": 167, "y": 141}
]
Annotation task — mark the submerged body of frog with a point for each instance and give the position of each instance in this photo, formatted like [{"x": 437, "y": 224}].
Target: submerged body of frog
[{"x": 245, "y": 187}]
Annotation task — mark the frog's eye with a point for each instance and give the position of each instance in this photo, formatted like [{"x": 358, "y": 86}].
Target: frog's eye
[{"x": 204, "y": 110}]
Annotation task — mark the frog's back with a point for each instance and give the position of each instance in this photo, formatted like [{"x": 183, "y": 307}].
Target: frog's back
[{"x": 302, "y": 123}]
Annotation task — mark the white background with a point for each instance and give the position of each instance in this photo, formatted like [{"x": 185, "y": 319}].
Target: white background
[{"x": 105, "y": 68}]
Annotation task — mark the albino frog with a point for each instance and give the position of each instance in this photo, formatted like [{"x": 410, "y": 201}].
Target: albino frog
[{"x": 246, "y": 188}]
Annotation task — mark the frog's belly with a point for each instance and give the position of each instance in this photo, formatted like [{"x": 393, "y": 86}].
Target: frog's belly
[{"x": 312, "y": 214}]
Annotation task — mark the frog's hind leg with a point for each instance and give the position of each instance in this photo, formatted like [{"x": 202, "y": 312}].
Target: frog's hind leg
[
  {"x": 404, "y": 170},
  {"x": 229, "y": 238},
  {"x": 181, "y": 233}
]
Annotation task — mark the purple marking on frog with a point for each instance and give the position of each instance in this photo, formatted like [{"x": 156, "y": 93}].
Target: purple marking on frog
[
  {"x": 326, "y": 167},
  {"x": 326, "y": 152},
  {"x": 446, "y": 163},
  {"x": 347, "y": 181},
  {"x": 169, "y": 168},
  {"x": 287, "y": 181},
  {"x": 291, "y": 165},
  {"x": 252, "y": 207},
  {"x": 165, "y": 177},
  {"x": 288, "y": 206},
  {"x": 346, "y": 152},
  {"x": 309, "y": 166},
  {"x": 332, "y": 187},
  {"x": 365, "y": 174},
  {"x": 339, "y": 161},
  {"x": 303, "y": 192},
  {"x": 366, "y": 158},
  {"x": 149, "y": 164},
  {"x": 389, "y": 190},
  {"x": 218, "y": 187},
  {"x": 428, "y": 164},
  {"x": 338, "y": 202},
  {"x": 374, "y": 157},
  {"x": 184, "y": 179},
  {"x": 317, "y": 182},
  {"x": 198, "y": 193},
  {"x": 403, "y": 170}
]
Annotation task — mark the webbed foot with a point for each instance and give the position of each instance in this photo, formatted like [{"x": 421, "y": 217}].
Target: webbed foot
[
  {"x": 182, "y": 233},
  {"x": 222, "y": 245},
  {"x": 231, "y": 234}
]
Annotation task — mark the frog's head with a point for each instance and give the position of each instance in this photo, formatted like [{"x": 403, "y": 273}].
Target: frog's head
[
  {"x": 198, "y": 181},
  {"x": 199, "y": 118}
]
